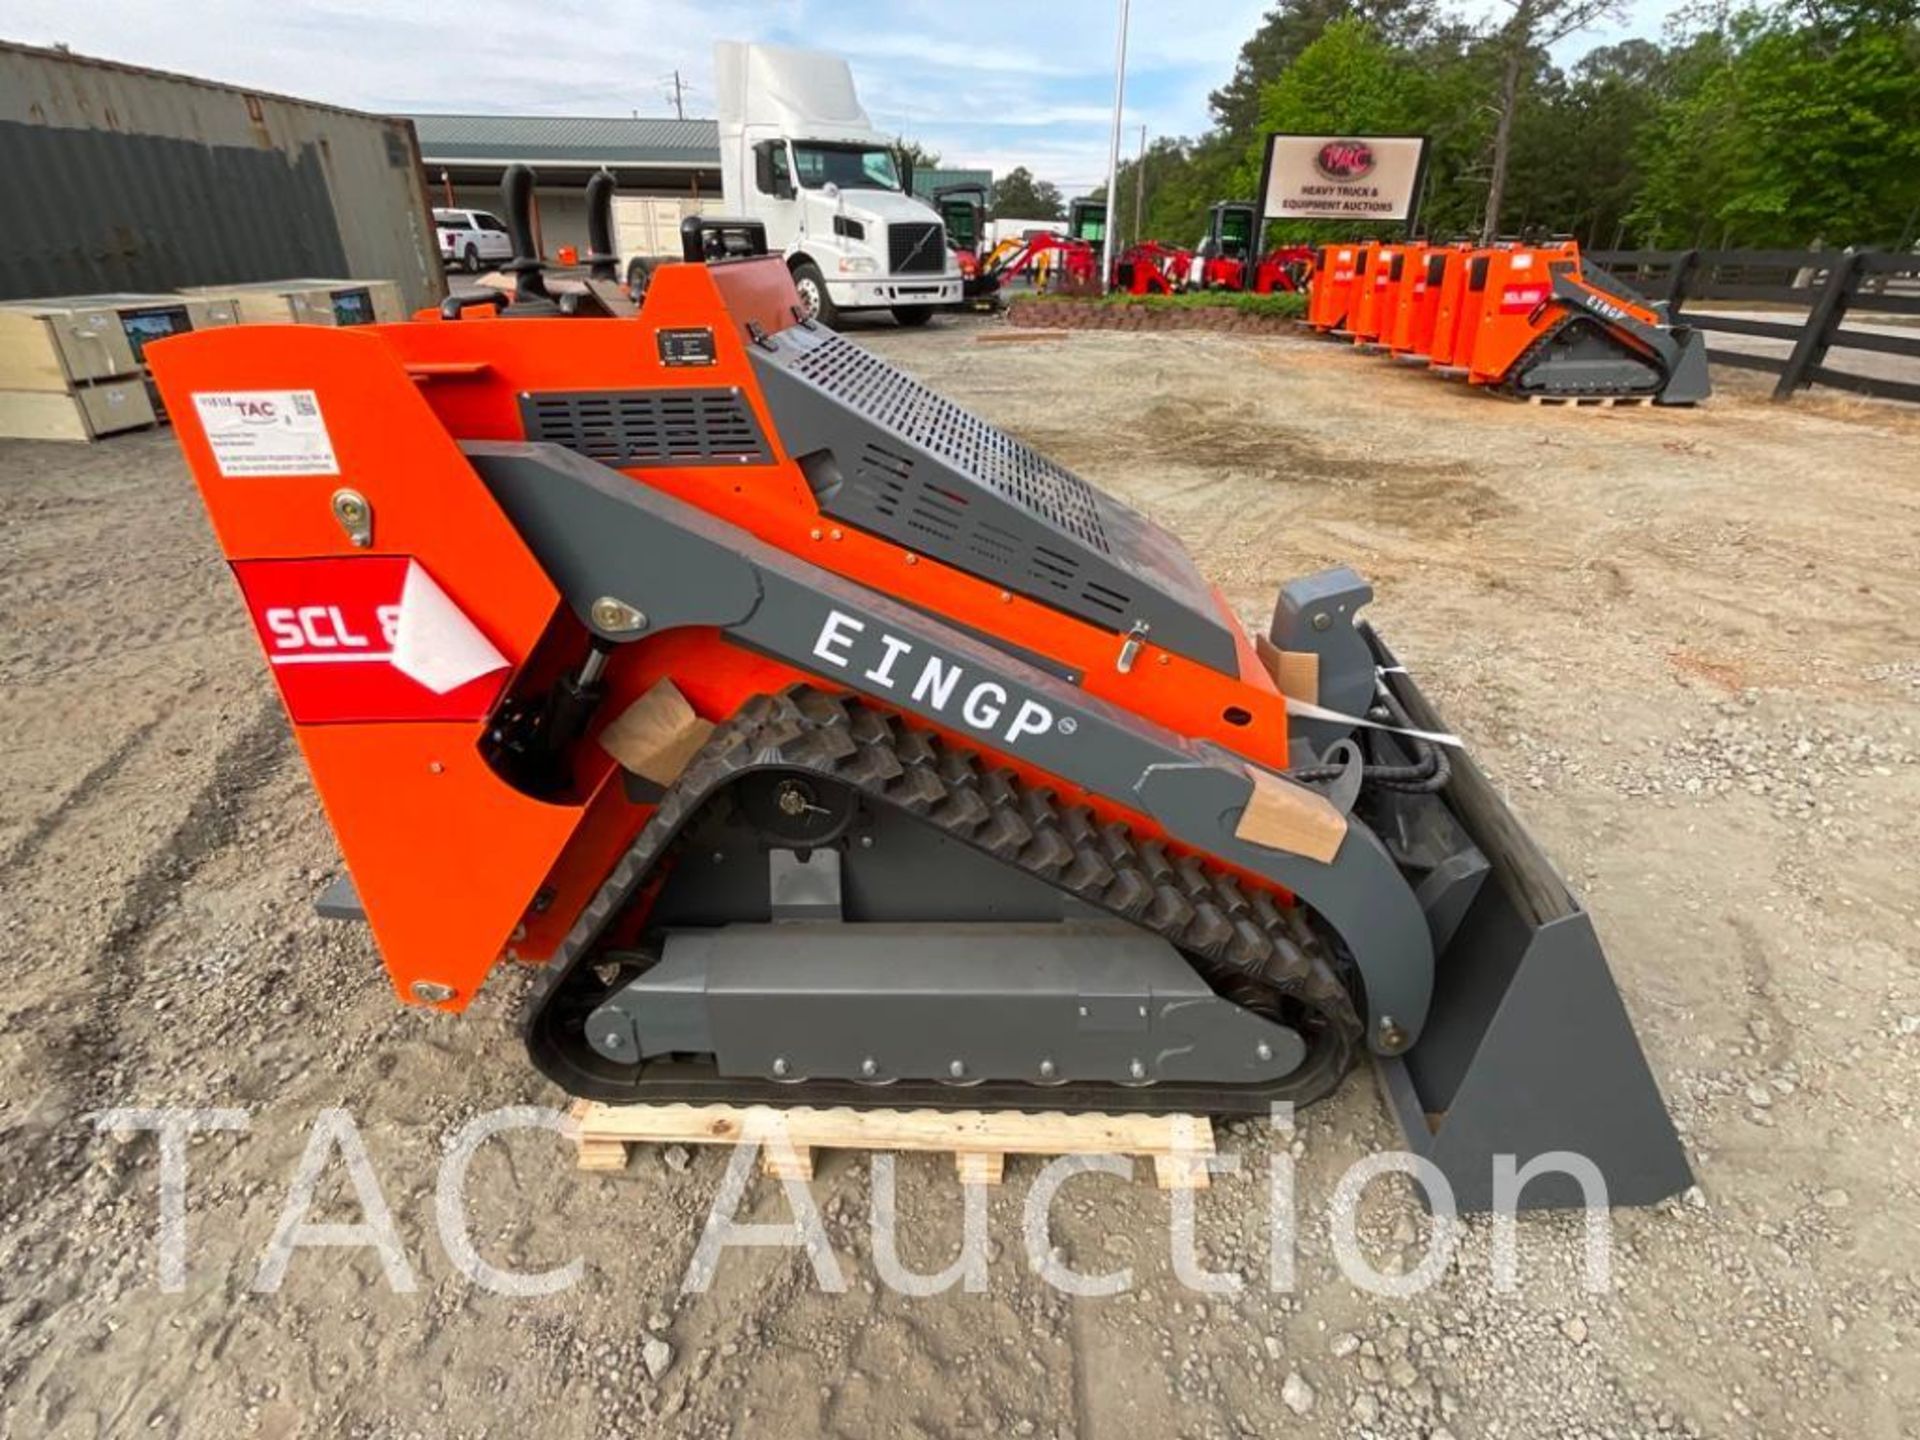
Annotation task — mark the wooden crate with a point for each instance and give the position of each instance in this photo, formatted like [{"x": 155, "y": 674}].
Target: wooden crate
[
  {"x": 979, "y": 1140},
  {"x": 55, "y": 343},
  {"x": 85, "y": 412},
  {"x": 310, "y": 301}
]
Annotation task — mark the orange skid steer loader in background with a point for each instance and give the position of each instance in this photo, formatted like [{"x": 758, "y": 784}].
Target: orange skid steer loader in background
[
  {"x": 1406, "y": 286},
  {"x": 1338, "y": 271},
  {"x": 1419, "y": 309},
  {"x": 1370, "y": 295},
  {"x": 827, "y": 745},
  {"x": 1544, "y": 329},
  {"x": 1449, "y": 300}
]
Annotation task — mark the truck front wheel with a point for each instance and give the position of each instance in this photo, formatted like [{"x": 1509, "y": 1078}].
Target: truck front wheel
[
  {"x": 639, "y": 276},
  {"x": 814, "y": 299},
  {"x": 912, "y": 316}
]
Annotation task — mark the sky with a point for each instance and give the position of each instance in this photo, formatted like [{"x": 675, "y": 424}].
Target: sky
[{"x": 993, "y": 86}]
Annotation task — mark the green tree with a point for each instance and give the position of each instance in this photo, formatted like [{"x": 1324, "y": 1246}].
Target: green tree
[
  {"x": 1351, "y": 81},
  {"x": 1166, "y": 163},
  {"x": 1521, "y": 44},
  {"x": 1019, "y": 196},
  {"x": 1765, "y": 127},
  {"x": 1781, "y": 134},
  {"x": 1286, "y": 32},
  {"x": 916, "y": 154}
]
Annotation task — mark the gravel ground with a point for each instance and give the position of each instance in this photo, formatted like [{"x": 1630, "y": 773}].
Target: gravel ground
[{"x": 1686, "y": 645}]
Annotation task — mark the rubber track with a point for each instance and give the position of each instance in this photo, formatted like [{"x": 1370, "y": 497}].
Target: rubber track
[
  {"x": 1546, "y": 338},
  {"x": 1239, "y": 935}
]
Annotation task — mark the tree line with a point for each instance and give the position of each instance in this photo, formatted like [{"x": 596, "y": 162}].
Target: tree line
[{"x": 1764, "y": 126}]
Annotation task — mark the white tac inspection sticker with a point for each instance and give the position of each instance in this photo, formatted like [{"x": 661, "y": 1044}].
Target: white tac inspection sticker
[{"x": 266, "y": 432}]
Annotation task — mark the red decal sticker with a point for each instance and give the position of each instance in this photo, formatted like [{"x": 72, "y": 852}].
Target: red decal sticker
[
  {"x": 1518, "y": 299},
  {"x": 368, "y": 638}
]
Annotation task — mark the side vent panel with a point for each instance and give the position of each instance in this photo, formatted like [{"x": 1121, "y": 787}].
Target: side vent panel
[
  {"x": 635, "y": 429},
  {"x": 886, "y": 454}
]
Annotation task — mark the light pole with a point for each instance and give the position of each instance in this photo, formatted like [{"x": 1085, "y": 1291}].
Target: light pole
[{"x": 1113, "y": 148}]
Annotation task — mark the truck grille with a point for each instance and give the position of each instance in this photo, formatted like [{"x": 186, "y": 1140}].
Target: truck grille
[{"x": 916, "y": 248}]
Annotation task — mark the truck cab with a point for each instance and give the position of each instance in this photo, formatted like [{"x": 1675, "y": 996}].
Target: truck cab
[
  {"x": 1222, "y": 259},
  {"x": 963, "y": 210},
  {"x": 1087, "y": 220},
  {"x": 798, "y": 153}
]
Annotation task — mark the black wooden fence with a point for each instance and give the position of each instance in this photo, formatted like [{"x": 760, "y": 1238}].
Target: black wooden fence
[{"x": 1826, "y": 284}]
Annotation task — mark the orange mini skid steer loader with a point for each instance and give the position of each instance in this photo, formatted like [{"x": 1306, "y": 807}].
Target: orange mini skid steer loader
[
  {"x": 1372, "y": 294},
  {"x": 1406, "y": 290},
  {"x": 1338, "y": 271},
  {"x": 827, "y": 745},
  {"x": 1545, "y": 328}
]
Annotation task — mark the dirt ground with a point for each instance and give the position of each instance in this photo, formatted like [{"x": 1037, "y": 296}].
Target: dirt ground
[{"x": 1687, "y": 645}]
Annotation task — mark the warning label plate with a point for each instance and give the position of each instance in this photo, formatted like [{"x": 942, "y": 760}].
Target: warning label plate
[{"x": 266, "y": 432}]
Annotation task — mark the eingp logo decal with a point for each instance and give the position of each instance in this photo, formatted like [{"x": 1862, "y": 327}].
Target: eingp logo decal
[{"x": 933, "y": 681}]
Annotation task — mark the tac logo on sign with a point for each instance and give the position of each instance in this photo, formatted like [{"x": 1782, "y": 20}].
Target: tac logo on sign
[
  {"x": 368, "y": 638},
  {"x": 1344, "y": 160},
  {"x": 253, "y": 409}
]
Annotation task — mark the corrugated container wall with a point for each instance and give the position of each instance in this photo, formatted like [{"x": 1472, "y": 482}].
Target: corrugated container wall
[{"x": 121, "y": 179}]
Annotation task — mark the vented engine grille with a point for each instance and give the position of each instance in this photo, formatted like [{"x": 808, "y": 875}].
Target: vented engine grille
[
  {"x": 915, "y": 247},
  {"x": 886, "y": 454},
  {"x": 893, "y": 399},
  {"x": 938, "y": 521},
  {"x": 639, "y": 428}
]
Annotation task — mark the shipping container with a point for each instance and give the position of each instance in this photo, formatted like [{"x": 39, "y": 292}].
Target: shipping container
[{"x": 123, "y": 179}]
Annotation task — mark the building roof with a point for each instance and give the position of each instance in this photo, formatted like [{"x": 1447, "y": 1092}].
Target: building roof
[{"x": 567, "y": 140}]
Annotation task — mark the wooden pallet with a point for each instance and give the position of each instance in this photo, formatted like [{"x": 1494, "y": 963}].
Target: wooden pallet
[
  {"x": 1591, "y": 402},
  {"x": 978, "y": 1140}
]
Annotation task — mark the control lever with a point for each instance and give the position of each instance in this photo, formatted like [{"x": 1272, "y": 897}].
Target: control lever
[
  {"x": 526, "y": 267},
  {"x": 602, "y": 260}
]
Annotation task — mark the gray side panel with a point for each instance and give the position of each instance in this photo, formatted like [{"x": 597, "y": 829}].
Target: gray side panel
[
  {"x": 598, "y": 533},
  {"x": 890, "y": 456},
  {"x": 908, "y": 872},
  {"x": 1051, "y": 1002}
]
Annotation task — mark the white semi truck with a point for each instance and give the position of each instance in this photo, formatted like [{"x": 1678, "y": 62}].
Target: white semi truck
[{"x": 798, "y": 153}]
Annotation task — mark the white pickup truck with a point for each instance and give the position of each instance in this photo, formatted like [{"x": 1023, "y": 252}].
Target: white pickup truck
[
  {"x": 473, "y": 240},
  {"x": 798, "y": 154}
]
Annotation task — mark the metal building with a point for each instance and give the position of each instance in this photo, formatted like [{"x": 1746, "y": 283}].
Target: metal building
[
  {"x": 129, "y": 180},
  {"x": 466, "y": 155}
]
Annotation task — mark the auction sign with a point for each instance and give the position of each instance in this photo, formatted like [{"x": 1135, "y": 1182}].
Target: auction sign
[{"x": 1343, "y": 177}]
